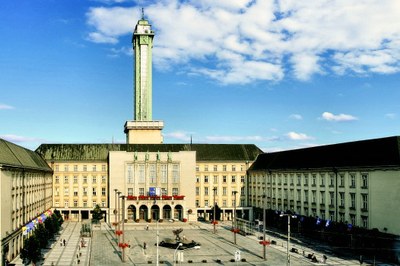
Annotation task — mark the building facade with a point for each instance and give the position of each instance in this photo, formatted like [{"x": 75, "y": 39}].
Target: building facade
[
  {"x": 26, "y": 194},
  {"x": 347, "y": 182}
]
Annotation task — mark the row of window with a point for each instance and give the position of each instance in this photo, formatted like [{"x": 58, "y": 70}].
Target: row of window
[
  {"x": 206, "y": 179},
  {"x": 84, "y": 204},
  {"x": 164, "y": 192},
  {"x": 215, "y": 190},
  {"x": 83, "y": 191},
  {"x": 314, "y": 180},
  {"x": 153, "y": 173},
  {"x": 78, "y": 168},
  {"x": 75, "y": 179},
  {"x": 216, "y": 168}
]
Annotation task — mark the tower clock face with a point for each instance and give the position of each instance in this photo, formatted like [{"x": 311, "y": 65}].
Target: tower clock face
[{"x": 143, "y": 29}]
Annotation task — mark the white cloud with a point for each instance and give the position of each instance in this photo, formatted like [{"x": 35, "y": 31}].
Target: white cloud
[
  {"x": 243, "y": 41},
  {"x": 338, "y": 118},
  {"x": 6, "y": 107},
  {"x": 296, "y": 117},
  {"x": 179, "y": 135},
  {"x": 298, "y": 136},
  {"x": 19, "y": 139},
  {"x": 219, "y": 139},
  {"x": 391, "y": 116}
]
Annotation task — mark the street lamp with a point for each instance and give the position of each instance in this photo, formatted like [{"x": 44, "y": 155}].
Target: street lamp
[
  {"x": 264, "y": 225},
  {"x": 179, "y": 245},
  {"x": 118, "y": 220},
  {"x": 115, "y": 210},
  {"x": 123, "y": 223},
  {"x": 215, "y": 203},
  {"x": 234, "y": 226},
  {"x": 288, "y": 234}
]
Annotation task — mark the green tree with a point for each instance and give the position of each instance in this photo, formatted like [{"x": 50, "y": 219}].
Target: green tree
[
  {"x": 42, "y": 235},
  {"x": 31, "y": 251},
  {"x": 97, "y": 215}
]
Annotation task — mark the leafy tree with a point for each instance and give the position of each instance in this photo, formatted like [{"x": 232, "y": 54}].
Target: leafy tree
[
  {"x": 42, "y": 235},
  {"x": 31, "y": 251},
  {"x": 97, "y": 215}
]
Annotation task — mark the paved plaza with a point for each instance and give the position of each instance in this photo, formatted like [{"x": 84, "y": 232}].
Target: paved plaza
[{"x": 215, "y": 249}]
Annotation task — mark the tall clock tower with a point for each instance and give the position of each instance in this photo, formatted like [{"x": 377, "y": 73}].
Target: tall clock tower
[{"x": 143, "y": 130}]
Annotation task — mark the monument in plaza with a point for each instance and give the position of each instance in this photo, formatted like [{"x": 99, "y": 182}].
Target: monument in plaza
[{"x": 179, "y": 242}]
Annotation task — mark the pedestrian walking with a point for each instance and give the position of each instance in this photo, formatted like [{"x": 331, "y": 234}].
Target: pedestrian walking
[
  {"x": 64, "y": 242},
  {"x": 144, "y": 245}
]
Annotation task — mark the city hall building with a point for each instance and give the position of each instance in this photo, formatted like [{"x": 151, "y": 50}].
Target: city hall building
[{"x": 355, "y": 182}]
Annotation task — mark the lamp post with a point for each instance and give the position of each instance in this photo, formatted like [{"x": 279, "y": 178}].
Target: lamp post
[
  {"x": 288, "y": 235},
  {"x": 264, "y": 243},
  {"x": 123, "y": 228},
  {"x": 215, "y": 203},
  {"x": 179, "y": 245},
  {"x": 118, "y": 220},
  {"x": 157, "y": 260},
  {"x": 115, "y": 210},
  {"x": 234, "y": 226}
]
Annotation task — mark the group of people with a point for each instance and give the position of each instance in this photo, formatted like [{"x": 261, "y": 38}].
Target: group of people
[
  {"x": 313, "y": 258},
  {"x": 63, "y": 242}
]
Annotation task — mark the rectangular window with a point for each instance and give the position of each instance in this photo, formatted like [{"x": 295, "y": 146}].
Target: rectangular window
[
  {"x": 94, "y": 179},
  {"x": 242, "y": 179},
  {"x": 224, "y": 179},
  {"x": 103, "y": 204},
  {"x": 341, "y": 217},
  {"x": 66, "y": 191},
  {"x": 175, "y": 191},
  {"x": 233, "y": 179},
  {"x": 94, "y": 191},
  {"x": 298, "y": 180},
  {"x": 341, "y": 194},
  {"x": 206, "y": 179},
  {"x": 197, "y": 168},
  {"x": 163, "y": 192},
  {"x": 224, "y": 168},
  {"x": 65, "y": 179},
  {"x": 331, "y": 198},
  {"x": 75, "y": 192},
  {"x": 84, "y": 179},
  {"x": 314, "y": 179},
  {"x": 103, "y": 191},
  {"x": 352, "y": 180},
  {"x": 129, "y": 173},
  {"x": 224, "y": 203},
  {"x": 152, "y": 174},
  {"x": 332, "y": 180},
  {"x": 353, "y": 200},
  {"x": 164, "y": 173},
  {"x": 299, "y": 195},
  {"x": 141, "y": 173},
  {"x": 85, "y": 191},
  {"x": 364, "y": 221},
  {"x": 215, "y": 168},
  {"x": 305, "y": 195},
  {"x": 57, "y": 179},
  {"x": 84, "y": 168},
  {"x": 75, "y": 203},
  {"x": 341, "y": 181},
  {"x": 103, "y": 167},
  {"x": 94, "y": 168},
  {"x": 197, "y": 191},
  {"x": 85, "y": 204},
  {"x": 206, "y": 168},
  {"x": 364, "y": 201},
  {"x": 141, "y": 191},
  {"x": 233, "y": 168},
  {"x": 175, "y": 173},
  {"x": 322, "y": 201},
  {"x": 75, "y": 179},
  {"x": 66, "y": 204},
  {"x": 103, "y": 179},
  {"x": 75, "y": 168},
  {"x": 130, "y": 191},
  {"x": 305, "y": 180},
  {"x": 206, "y": 203},
  {"x": 224, "y": 191},
  {"x": 352, "y": 219},
  {"x": 322, "y": 178},
  {"x": 206, "y": 191},
  {"x": 364, "y": 180},
  {"x": 215, "y": 179},
  {"x": 66, "y": 168},
  {"x": 314, "y": 196},
  {"x": 197, "y": 179}
]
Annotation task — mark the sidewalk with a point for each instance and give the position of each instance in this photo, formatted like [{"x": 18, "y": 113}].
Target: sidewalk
[{"x": 71, "y": 253}]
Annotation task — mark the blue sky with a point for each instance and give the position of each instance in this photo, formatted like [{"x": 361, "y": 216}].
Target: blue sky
[{"x": 279, "y": 74}]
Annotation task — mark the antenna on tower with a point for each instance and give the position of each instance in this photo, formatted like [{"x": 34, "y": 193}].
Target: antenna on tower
[{"x": 142, "y": 13}]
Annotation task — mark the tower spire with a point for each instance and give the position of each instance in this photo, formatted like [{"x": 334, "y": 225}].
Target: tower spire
[{"x": 142, "y": 13}]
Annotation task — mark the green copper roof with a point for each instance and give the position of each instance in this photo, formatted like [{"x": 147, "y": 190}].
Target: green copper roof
[
  {"x": 16, "y": 156},
  {"x": 93, "y": 152}
]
